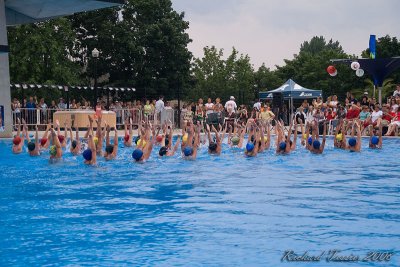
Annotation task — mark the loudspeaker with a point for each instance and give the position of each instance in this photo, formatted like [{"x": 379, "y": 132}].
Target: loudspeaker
[{"x": 277, "y": 100}]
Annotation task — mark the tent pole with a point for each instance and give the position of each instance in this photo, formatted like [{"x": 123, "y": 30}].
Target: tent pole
[{"x": 380, "y": 95}]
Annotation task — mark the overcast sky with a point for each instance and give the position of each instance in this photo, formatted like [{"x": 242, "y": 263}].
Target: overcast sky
[{"x": 272, "y": 30}]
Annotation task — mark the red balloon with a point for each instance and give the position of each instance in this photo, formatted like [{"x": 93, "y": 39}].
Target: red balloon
[{"x": 331, "y": 69}]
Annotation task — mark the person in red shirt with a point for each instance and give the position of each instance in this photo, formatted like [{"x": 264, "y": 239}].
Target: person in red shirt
[
  {"x": 330, "y": 114},
  {"x": 352, "y": 113},
  {"x": 394, "y": 124}
]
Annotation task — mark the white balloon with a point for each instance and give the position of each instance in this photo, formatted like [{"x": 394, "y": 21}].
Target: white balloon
[
  {"x": 360, "y": 72},
  {"x": 355, "y": 65},
  {"x": 333, "y": 74}
]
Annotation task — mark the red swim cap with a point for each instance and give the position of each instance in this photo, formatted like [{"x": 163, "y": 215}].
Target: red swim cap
[
  {"x": 61, "y": 138},
  {"x": 17, "y": 140},
  {"x": 159, "y": 138},
  {"x": 126, "y": 138},
  {"x": 43, "y": 141}
]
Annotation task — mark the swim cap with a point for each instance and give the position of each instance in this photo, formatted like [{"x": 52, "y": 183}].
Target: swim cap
[
  {"x": 87, "y": 154},
  {"x": 282, "y": 145},
  {"x": 212, "y": 146},
  {"x": 163, "y": 151},
  {"x": 109, "y": 149},
  {"x": 43, "y": 141},
  {"x": 264, "y": 138},
  {"x": 309, "y": 140},
  {"x": 304, "y": 136},
  {"x": 339, "y": 137},
  {"x": 61, "y": 138},
  {"x": 126, "y": 138},
  {"x": 184, "y": 138},
  {"x": 159, "y": 138},
  {"x": 188, "y": 151},
  {"x": 73, "y": 144},
  {"x": 374, "y": 140},
  {"x": 316, "y": 144},
  {"x": 96, "y": 140},
  {"x": 249, "y": 147},
  {"x": 137, "y": 154},
  {"x": 235, "y": 140},
  {"x": 17, "y": 140},
  {"x": 31, "y": 146},
  {"x": 141, "y": 143},
  {"x": 53, "y": 150},
  {"x": 137, "y": 138},
  {"x": 352, "y": 141}
]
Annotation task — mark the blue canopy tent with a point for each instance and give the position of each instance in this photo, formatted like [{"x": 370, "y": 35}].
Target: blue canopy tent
[{"x": 290, "y": 91}]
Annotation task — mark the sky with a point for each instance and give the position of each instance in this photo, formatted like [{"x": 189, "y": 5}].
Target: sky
[{"x": 270, "y": 31}]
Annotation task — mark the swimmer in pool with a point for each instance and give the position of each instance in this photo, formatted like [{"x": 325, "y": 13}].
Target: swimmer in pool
[
  {"x": 375, "y": 141},
  {"x": 75, "y": 148},
  {"x": 45, "y": 141},
  {"x": 128, "y": 133},
  {"x": 267, "y": 137},
  {"x": 98, "y": 139},
  {"x": 236, "y": 138},
  {"x": 253, "y": 139},
  {"x": 317, "y": 147},
  {"x": 55, "y": 148},
  {"x": 33, "y": 147},
  {"x": 111, "y": 150},
  {"x": 214, "y": 147},
  {"x": 90, "y": 154},
  {"x": 61, "y": 138},
  {"x": 18, "y": 142},
  {"x": 144, "y": 148},
  {"x": 166, "y": 150},
  {"x": 282, "y": 144},
  {"x": 193, "y": 141},
  {"x": 354, "y": 143},
  {"x": 339, "y": 140}
]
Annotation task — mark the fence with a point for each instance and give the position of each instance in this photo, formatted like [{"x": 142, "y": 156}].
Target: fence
[{"x": 42, "y": 117}]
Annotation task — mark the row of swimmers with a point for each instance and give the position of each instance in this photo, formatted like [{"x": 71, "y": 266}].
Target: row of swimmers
[{"x": 258, "y": 139}]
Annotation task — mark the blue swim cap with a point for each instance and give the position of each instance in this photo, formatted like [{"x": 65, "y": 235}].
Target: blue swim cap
[
  {"x": 87, "y": 154},
  {"x": 374, "y": 140},
  {"x": 188, "y": 151},
  {"x": 282, "y": 145},
  {"x": 316, "y": 144},
  {"x": 352, "y": 141},
  {"x": 309, "y": 140},
  {"x": 137, "y": 154},
  {"x": 249, "y": 147}
]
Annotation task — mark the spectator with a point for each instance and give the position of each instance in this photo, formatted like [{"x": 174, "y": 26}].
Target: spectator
[
  {"x": 341, "y": 112},
  {"x": 395, "y": 123},
  {"x": 393, "y": 105},
  {"x": 372, "y": 104},
  {"x": 300, "y": 115},
  {"x": 16, "y": 109},
  {"x": 266, "y": 114},
  {"x": 364, "y": 100},
  {"x": 230, "y": 105},
  {"x": 31, "y": 111},
  {"x": 159, "y": 108},
  {"x": 209, "y": 107},
  {"x": 375, "y": 118},
  {"x": 317, "y": 103},
  {"x": 396, "y": 93},
  {"x": 61, "y": 104},
  {"x": 218, "y": 106},
  {"x": 43, "y": 111},
  {"x": 199, "y": 114},
  {"x": 147, "y": 109},
  {"x": 305, "y": 106},
  {"x": 310, "y": 115},
  {"x": 257, "y": 105}
]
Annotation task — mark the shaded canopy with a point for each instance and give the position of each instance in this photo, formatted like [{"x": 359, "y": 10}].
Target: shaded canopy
[
  {"x": 378, "y": 68},
  {"x": 290, "y": 89},
  {"x": 29, "y": 11}
]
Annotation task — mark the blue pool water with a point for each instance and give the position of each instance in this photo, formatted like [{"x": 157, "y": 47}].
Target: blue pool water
[{"x": 215, "y": 211}]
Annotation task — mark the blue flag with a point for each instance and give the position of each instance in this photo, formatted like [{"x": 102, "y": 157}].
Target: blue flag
[{"x": 372, "y": 46}]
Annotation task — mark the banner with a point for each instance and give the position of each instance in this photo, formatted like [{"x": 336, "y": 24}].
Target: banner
[{"x": 372, "y": 46}]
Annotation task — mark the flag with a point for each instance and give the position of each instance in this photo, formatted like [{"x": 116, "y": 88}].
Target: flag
[{"x": 372, "y": 46}]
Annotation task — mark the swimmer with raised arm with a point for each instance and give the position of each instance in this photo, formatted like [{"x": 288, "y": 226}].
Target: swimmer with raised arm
[
  {"x": 61, "y": 138},
  {"x": 98, "y": 139},
  {"x": 33, "y": 147},
  {"x": 75, "y": 148},
  {"x": 251, "y": 149},
  {"x": 317, "y": 147},
  {"x": 55, "y": 148},
  {"x": 282, "y": 144},
  {"x": 144, "y": 148},
  {"x": 340, "y": 139},
  {"x": 375, "y": 141},
  {"x": 111, "y": 150},
  {"x": 354, "y": 143},
  {"x": 214, "y": 148},
  {"x": 193, "y": 142},
  {"x": 166, "y": 150},
  {"x": 18, "y": 142},
  {"x": 128, "y": 133},
  {"x": 90, "y": 154},
  {"x": 45, "y": 141}
]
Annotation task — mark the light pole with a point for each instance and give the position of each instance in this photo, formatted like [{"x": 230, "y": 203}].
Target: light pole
[{"x": 95, "y": 55}]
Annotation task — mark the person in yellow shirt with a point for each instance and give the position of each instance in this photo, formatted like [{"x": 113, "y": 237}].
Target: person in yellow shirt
[{"x": 266, "y": 114}]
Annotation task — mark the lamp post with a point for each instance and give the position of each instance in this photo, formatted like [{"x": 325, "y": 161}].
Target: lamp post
[{"x": 95, "y": 55}]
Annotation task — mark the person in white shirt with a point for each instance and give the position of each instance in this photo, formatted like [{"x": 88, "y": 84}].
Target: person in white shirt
[
  {"x": 160, "y": 104},
  {"x": 375, "y": 118},
  {"x": 257, "y": 105},
  {"x": 209, "y": 106},
  {"x": 230, "y": 105},
  {"x": 397, "y": 92}
]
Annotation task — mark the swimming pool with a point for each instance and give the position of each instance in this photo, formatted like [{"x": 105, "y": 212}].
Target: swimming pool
[{"x": 215, "y": 211}]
